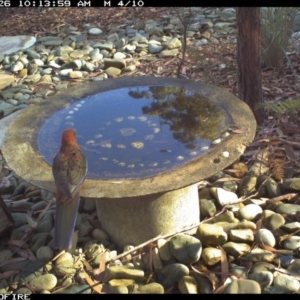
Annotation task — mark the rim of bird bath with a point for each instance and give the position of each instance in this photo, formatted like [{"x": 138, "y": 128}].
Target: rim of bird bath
[
  {"x": 20, "y": 150},
  {"x": 20, "y": 147}
]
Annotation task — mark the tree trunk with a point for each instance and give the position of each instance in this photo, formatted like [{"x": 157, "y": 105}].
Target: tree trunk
[{"x": 248, "y": 59}]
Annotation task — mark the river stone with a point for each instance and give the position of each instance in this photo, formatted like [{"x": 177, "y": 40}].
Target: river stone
[
  {"x": 168, "y": 53},
  {"x": 112, "y": 72},
  {"x": 262, "y": 266},
  {"x": 74, "y": 64},
  {"x": 289, "y": 209},
  {"x": 96, "y": 55},
  {"x": 158, "y": 31},
  {"x": 106, "y": 46},
  {"x": 123, "y": 272},
  {"x": 150, "y": 288},
  {"x": 185, "y": 248},
  {"x": 295, "y": 266},
  {"x": 77, "y": 289},
  {"x": 265, "y": 236},
  {"x": 30, "y": 79},
  {"x": 121, "y": 282},
  {"x": 227, "y": 216},
  {"x": 116, "y": 63},
  {"x": 284, "y": 261},
  {"x": 53, "y": 42},
  {"x": 264, "y": 278},
  {"x": 44, "y": 253},
  {"x": 65, "y": 257},
  {"x": 260, "y": 255},
  {"x": 164, "y": 251},
  {"x": 155, "y": 47},
  {"x": 171, "y": 274},
  {"x": 286, "y": 282},
  {"x": 275, "y": 222},
  {"x": 5, "y": 255},
  {"x": 16, "y": 67},
  {"x": 211, "y": 234},
  {"x": 24, "y": 290},
  {"x": 42, "y": 240},
  {"x": 236, "y": 249},
  {"x": 130, "y": 68},
  {"x": 118, "y": 290},
  {"x": 241, "y": 235},
  {"x": 247, "y": 184},
  {"x": 5, "y": 80},
  {"x": 241, "y": 225},
  {"x": 78, "y": 53},
  {"x": 292, "y": 243},
  {"x": 239, "y": 271},
  {"x": 95, "y": 31},
  {"x": 44, "y": 282},
  {"x": 46, "y": 224},
  {"x": 250, "y": 212},
  {"x": 187, "y": 285},
  {"x": 207, "y": 208},
  {"x": 211, "y": 255},
  {"x": 291, "y": 227},
  {"x": 119, "y": 55},
  {"x": 11, "y": 44},
  {"x": 75, "y": 74},
  {"x": 174, "y": 43},
  {"x": 224, "y": 197},
  {"x": 243, "y": 286},
  {"x": 63, "y": 50},
  {"x": 292, "y": 185}
]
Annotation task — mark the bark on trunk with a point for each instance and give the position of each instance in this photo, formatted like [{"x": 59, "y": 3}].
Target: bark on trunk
[{"x": 248, "y": 59}]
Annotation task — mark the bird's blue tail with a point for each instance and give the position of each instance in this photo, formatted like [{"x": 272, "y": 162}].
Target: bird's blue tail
[{"x": 65, "y": 220}]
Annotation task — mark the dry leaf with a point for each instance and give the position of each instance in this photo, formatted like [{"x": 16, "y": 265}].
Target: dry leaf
[
  {"x": 96, "y": 286},
  {"x": 224, "y": 264}
]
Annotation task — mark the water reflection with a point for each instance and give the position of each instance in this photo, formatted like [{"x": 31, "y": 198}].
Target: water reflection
[{"x": 136, "y": 132}]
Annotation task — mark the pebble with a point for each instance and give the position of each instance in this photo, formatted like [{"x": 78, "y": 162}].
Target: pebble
[
  {"x": 77, "y": 289},
  {"x": 250, "y": 212},
  {"x": 224, "y": 197},
  {"x": 185, "y": 248},
  {"x": 243, "y": 286},
  {"x": 264, "y": 278},
  {"x": 259, "y": 255},
  {"x": 187, "y": 285},
  {"x": 292, "y": 243},
  {"x": 211, "y": 256},
  {"x": 95, "y": 31},
  {"x": 204, "y": 285},
  {"x": 287, "y": 208},
  {"x": 265, "y": 237},
  {"x": 44, "y": 282},
  {"x": 286, "y": 283},
  {"x": 236, "y": 249},
  {"x": 44, "y": 253},
  {"x": 123, "y": 272},
  {"x": 151, "y": 288},
  {"x": 241, "y": 235},
  {"x": 171, "y": 274},
  {"x": 211, "y": 234}
]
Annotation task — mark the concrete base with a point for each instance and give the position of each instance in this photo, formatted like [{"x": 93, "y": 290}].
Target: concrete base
[{"x": 134, "y": 220}]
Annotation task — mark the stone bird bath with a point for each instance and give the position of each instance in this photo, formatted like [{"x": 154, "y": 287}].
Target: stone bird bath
[{"x": 148, "y": 142}]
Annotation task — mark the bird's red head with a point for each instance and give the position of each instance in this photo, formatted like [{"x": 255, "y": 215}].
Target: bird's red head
[{"x": 68, "y": 136}]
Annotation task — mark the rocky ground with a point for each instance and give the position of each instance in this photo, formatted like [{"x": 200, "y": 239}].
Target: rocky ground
[{"x": 250, "y": 240}]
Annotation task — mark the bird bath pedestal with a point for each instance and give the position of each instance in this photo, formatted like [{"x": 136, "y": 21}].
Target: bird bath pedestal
[{"x": 148, "y": 141}]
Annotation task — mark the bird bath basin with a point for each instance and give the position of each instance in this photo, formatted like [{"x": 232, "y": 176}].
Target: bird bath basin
[{"x": 148, "y": 141}]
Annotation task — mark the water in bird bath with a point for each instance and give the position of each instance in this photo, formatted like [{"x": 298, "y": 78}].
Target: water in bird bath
[{"x": 137, "y": 132}]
